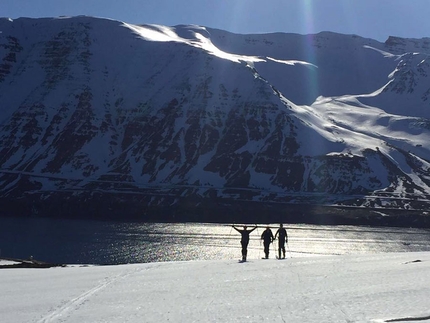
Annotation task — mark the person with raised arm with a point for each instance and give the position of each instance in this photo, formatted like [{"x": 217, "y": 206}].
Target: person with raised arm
[{"x": 244, "y": 241}]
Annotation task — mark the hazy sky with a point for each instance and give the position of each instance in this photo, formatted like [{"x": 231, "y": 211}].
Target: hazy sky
[{"x": 376, "y": 19}]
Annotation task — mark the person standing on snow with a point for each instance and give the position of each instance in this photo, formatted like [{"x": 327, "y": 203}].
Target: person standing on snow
[
  {"x": 244, "y": 240},
  {"x": 283, "y": 237},
  {"x": 267, "y": 237}
]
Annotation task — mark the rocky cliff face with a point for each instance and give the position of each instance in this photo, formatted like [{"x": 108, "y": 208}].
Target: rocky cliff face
[{"x": 102, "y": 118}]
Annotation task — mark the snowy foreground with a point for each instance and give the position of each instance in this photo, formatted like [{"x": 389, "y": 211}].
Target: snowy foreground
[{"x": 391, "y": 287}]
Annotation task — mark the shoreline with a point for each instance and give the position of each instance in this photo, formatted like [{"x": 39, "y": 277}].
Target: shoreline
[{"x": 9, "y": 263}]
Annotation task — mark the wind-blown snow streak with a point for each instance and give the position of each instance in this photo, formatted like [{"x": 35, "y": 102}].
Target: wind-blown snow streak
[
  {"x": 167, "y": 34},
  {"x": 291, "y": 62}
]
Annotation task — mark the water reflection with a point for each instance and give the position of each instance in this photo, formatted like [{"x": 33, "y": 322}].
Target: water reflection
[{"x": 97, "y": 242}]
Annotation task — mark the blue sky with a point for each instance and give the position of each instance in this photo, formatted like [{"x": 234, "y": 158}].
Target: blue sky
[{"x": 376, "y": 19}]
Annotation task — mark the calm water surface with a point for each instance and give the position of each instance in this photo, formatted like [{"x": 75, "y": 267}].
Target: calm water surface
[{"x": 100, "y": 242}]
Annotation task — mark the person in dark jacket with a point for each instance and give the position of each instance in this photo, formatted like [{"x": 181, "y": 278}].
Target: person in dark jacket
[
  {"x": 267, "y": 237},
  {"x": 244, "y": 240},
  {"x": 282, "y": 239}
]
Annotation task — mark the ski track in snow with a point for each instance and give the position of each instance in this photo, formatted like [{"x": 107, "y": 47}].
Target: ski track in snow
[{"x": 64, "y": 310}]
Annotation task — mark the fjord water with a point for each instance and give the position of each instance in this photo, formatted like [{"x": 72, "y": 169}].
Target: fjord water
[{"x": 102, "y": 242}]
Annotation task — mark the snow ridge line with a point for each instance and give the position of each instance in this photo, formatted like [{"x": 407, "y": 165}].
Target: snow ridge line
[
  {"x": 404, "y": 319},
  {"x": 75, "y": 303},
  {"x": 410, "y": 319}
]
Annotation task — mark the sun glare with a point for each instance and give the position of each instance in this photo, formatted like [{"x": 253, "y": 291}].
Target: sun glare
[{"x": 307, "y": 12}]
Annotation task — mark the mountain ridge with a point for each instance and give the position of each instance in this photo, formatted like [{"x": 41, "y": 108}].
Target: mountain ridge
[{"x": 100, "y": 116}]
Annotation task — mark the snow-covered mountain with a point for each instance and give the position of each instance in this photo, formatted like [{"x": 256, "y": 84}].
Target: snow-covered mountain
[{"x": 103, "y": 118}]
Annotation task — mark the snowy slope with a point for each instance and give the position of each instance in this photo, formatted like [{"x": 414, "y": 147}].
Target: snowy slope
[
  {"x": 98, "y": 113},
  {"x": 408, "y": 88},
  {"x": 305, "y": 67},
  {"x": 381, "y": 288}
]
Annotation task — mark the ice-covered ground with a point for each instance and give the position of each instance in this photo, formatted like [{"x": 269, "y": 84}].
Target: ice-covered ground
[{"x": 389, "y": 287}]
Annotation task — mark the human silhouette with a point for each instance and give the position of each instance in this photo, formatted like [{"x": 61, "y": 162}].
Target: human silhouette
[
  {"x": 244, "y": 241},
  {"x": 283, "y": 237},
  {"x": 267, "y": 237}
]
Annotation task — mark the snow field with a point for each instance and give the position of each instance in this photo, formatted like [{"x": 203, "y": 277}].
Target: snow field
[{"x": 349, "y": 288}]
